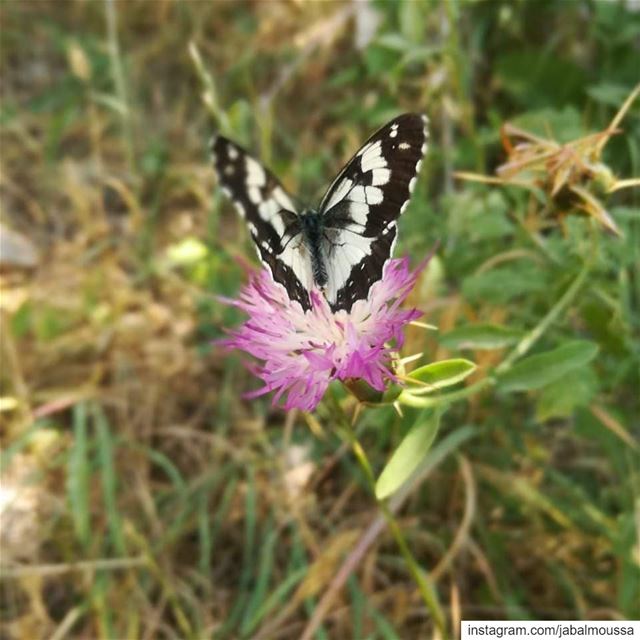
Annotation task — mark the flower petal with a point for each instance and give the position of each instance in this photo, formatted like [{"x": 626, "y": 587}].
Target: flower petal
[{"x": 303, "y": 351}]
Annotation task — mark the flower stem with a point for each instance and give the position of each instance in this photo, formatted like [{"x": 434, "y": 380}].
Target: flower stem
[
  {"x": 421, "y": 579},
  {"x": 427, "y": 591}
]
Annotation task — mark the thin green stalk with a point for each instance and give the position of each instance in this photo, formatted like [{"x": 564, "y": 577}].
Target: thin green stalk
[
  {"x": 426, "y": 589},
  {"x": 118, "y": 78},
  {"x": 534, "y": 237},
  {"x": 209, "y": 91},
  {"x": 459, "y": 78},
  {"x": 538, "y": 331}
]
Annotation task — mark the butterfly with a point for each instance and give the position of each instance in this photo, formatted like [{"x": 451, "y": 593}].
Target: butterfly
[{"x": 341, "y": 247}]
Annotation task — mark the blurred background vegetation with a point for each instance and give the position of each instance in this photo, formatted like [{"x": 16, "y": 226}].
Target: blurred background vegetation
[{"x": 141, "y": 496}]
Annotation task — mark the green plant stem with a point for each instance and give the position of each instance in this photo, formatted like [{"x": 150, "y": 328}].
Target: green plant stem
[
  {"x": 118, "y": 78},
  {"x": 538, "y": 331},
  {"x": 209, "y": 91},
  {"x": 422, "y": 581},
  {"x": 459, "y": 77}
]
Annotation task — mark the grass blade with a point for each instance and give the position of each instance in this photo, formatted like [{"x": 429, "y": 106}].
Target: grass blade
[
  {"x": 105, "y": 453},
  {"x": 79, "y": 477}
]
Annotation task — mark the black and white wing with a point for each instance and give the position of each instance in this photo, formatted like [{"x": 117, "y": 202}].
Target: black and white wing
[
  {"x": 270, "y": 215},
  {"x": 362, "y": 205}
]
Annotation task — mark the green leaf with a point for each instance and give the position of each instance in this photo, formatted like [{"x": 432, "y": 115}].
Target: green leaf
[
  {"x": 278, "y": 595},
  {"x": 535, "y": 77},
  {"x": 379, "y": 59},
  {"x": 506, "y": 283},
  {"x": 558, "y": 400},
  {"x": 480, "y": 336},
  {"x": 110, "y": 102},
  {"x": 468, "y": 214},
  {"x": 261, "y": 580},
  {"x": 562, "y": 124},
  {"x": 544, "y": 368},
  {"x": 394, "y": 41},
  {"x": 609, "y": 93},
  {"x": 408, "y": 456},
  {"x": 442, "y": 374}
]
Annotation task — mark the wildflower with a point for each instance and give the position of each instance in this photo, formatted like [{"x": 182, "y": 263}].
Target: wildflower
[{"x": 302, "y": 352}]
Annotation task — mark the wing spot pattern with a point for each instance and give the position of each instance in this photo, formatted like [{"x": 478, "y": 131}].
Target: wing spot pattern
[
  {"x": 368, "y": 194},
  {"x": 268, "y": 211},
  {"x": 255, "y": 173},
  {"x": 380, "y": 177},
  {"x": 283, "y": 199},
  {"x": 373, "y": 158},
  {"x": 359, "y": 212},
  {"x": 255, "y": 195}
]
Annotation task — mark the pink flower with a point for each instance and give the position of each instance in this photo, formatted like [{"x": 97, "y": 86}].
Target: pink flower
[{"x": 303, "y": 351}]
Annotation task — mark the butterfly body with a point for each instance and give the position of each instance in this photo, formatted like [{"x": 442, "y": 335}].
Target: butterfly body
[
  {"x": 312, "y": 227},
  {"x": 342, "y": 246}
]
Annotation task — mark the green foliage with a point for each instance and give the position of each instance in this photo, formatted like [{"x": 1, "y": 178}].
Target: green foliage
[
  {"x": 560, "y": 398},
  {"x": 409, "y": 454},
  {"x": 444, "y": 373},
  {"x": 164, "y": 504},
  {"x": 543, "y": 369},
  {"x": 480, "y": 336}
]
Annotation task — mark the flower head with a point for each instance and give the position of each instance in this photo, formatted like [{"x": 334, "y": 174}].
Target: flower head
[{"x": 301, "y": 352}]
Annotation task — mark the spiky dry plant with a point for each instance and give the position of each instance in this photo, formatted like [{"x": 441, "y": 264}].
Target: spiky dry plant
[{"x": 571, "y": 175}]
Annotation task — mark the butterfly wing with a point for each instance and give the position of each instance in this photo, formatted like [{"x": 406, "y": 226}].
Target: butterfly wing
[
  {"x": 362, "y": 205},
  {"x": 270, "y": 215}
]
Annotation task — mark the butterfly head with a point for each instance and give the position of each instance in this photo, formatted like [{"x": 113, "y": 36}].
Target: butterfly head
[{"x": 311, "y": 224}]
